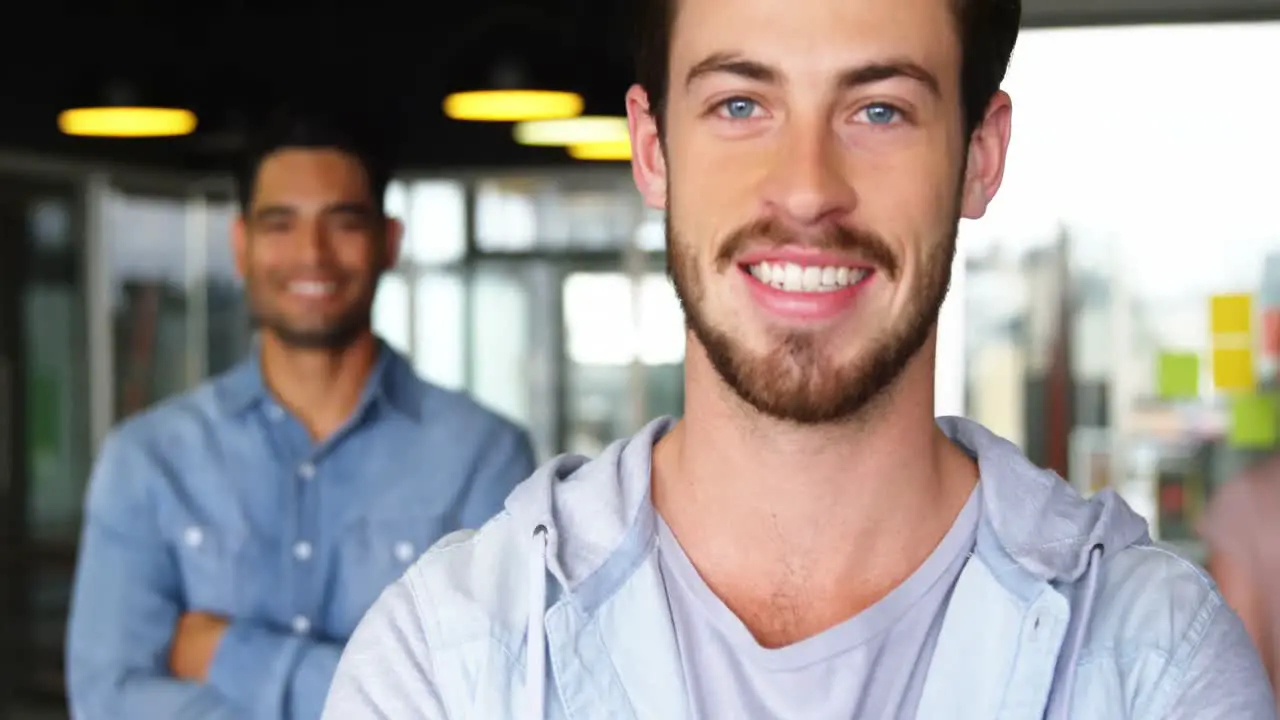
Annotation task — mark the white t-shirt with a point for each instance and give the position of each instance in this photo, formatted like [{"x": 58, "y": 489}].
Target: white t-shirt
[{"x": 869, "y": 667}]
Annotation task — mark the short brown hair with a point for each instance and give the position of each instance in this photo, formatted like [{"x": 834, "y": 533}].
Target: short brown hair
[{"x": 988, "y": 32}]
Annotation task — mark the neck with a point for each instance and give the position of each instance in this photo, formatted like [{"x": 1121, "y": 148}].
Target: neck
[
  {"x": 847, "y": 509},
  {"x": 320, "y": 387}
]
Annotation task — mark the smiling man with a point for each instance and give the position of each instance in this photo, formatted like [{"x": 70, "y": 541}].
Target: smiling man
[
  {"x": 808, "y": 541},
  {"x": 235, "y": 535}
]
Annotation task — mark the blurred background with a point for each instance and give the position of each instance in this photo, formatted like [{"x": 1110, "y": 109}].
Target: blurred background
[{"x": 1114, "y": 315}]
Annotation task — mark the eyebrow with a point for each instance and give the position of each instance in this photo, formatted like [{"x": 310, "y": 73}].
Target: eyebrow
[
  {"x": 271, "y": 212},
  {"x": 854, "y": 77}
]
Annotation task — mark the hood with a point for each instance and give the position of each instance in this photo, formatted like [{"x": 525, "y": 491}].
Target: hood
[
  {"x": 600, "y": 524},
  {"x": 1040, "y": 521}
]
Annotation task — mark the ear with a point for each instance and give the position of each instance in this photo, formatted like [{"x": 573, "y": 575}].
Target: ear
[
  {"x": 648, "y": 164},
  {"x": 988, "y": 148},
  {"x": 240, "y": 245},
  {"x": 394, "y": 234}
]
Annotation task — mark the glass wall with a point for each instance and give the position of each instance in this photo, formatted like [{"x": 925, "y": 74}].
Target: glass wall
[
  {"x": 488, "y": 297},
  {"x": 177, "y": 308},
  {"x": 1141, "y": 186},
  {"x": 45, "y": 443}
]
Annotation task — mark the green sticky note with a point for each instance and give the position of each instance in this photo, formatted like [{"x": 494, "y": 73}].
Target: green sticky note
[
  {"x": 1254, "y": 420},
  {"x": 1178, "y": 375}
]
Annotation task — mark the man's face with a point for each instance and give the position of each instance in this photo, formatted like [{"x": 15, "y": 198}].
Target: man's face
[
  {"x": 814, "y": 171},
  {"x": 312, "y": 246}
]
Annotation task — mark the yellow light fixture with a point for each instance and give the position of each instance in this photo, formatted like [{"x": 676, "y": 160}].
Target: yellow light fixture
[
  {"x": 602, "y": 151},
  {"x": 512, "y": 105},
  {"x": 127, "y": 122},
  {"x": 572, "y": 131}
]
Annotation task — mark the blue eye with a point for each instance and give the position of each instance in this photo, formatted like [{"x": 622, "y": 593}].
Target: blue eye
[
  {"x": 739, "y": 108},
  {"x": 881, "y": 114}
]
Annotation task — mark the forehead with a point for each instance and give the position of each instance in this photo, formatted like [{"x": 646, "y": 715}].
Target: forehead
[
  {"x": 312, "y": 173},
  {"x": 826, "y": 36}
]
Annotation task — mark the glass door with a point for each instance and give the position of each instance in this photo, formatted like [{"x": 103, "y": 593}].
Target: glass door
[
  {"x": 624, "y": 353},
  {"x": 44, "y": 435}
]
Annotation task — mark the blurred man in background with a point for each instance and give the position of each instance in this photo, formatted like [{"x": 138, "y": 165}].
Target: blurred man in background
[{"x": 236, "y": 534}]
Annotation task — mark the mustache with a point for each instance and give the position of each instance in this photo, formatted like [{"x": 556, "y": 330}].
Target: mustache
[{"x": 832, "y": 237}]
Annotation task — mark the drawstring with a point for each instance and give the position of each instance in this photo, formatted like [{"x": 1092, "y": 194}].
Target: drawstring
[
  {"x": 1060, "y": 703},
  {"x": 535, "y": 677}
]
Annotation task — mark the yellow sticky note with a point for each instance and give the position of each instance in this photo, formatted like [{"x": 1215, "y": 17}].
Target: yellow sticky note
[
  {"x": 1231, "y": 314},
  {"x": 1233, "y": 369},
  {"x": 1178, "y": 375},
  {"x": 1254, "y": 421}
]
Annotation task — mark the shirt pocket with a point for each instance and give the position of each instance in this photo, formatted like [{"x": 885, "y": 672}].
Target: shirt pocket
[
  {"x": 207, "y": 553},
  {"x": 379, "y": 548}
]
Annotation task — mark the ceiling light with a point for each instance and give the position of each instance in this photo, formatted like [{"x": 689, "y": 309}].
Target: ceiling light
[
  {"x": 127, "y": 122},
  {"x": 617, "y": 150},
  {"x": 512, "y": 105},
  {"x": 572, "y": 131}
]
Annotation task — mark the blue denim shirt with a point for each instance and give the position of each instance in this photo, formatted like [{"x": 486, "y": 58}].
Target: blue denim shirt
[{"x": 219, "y": 501}]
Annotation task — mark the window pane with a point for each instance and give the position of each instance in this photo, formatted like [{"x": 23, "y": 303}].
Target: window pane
[
  {"x": 506, "y": 220},
  {"x": 501, "y": 374},
  {"x": 1080, "y": 280},
  {"x": 440, "y": 317},
  {"x": 514, "y": 360},
  {"x": 585, "y": 212},
  {"x": 230, "y": 332},
  {"x": 396, "y": 201},
  {"x": 625, "y": 350},
  {"x": 436, "y": 224},
  {"x": 145, "y": 243},
  {"x": 391, "y": 312},
  {"x": 178, "y": 304},
  {"x": 599, "y": 319},
  {"x": 661, "y": 331},
  {"x": 651, "y": 235}
]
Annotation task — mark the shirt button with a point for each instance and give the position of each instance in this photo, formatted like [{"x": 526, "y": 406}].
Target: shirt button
[
  {"x": 307, "y": 471},
  {"x": 302, "y": 550},
  {"x": 404, "y": 551},
  {"x": 274, "y": 412},
  {"x": 193, "y": 536},
  {"x": 301, "y": 625}
]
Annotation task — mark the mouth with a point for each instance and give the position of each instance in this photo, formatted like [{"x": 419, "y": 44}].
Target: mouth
[
  {"x": 313, "y": 289},
  {"x": 791, "y": 277},
  {"x": 806, "y": 288}
]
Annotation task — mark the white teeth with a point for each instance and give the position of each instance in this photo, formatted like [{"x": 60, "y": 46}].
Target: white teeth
[
  {"x": 808, "y": 278},
  {"x": 812, "y": 278},
  {"x": 312, "y": 288},
  {"x": 792, "y": 277}
]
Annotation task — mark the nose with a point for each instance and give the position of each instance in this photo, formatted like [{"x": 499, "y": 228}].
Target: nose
[
  {"x": 312, "y": 243},
  {"x": 807, "y": 184}
]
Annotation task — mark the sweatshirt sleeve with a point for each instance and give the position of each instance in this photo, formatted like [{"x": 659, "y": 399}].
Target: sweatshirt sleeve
[{"x": 387, "y": 670}]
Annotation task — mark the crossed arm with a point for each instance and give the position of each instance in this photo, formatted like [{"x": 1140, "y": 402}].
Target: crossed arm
[{"x": 134, "y": 650}]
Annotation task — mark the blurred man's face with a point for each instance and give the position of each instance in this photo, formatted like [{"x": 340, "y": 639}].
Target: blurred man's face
[
  {"x": 312, "y": 247},
  {"x": 814, "y": 171}
]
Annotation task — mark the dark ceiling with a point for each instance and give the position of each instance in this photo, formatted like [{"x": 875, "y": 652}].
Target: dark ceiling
[
  {"x": 396, "y": 66},
  {"x": 396, "y": 62}
]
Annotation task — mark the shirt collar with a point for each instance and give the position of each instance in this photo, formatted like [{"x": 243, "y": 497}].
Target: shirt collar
[{"x": 392, "y": 383}]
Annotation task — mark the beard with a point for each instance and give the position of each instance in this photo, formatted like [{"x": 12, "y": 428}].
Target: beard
[
  {"x": 336, "y": 332},
  {"x": 796, "y": 380}
]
